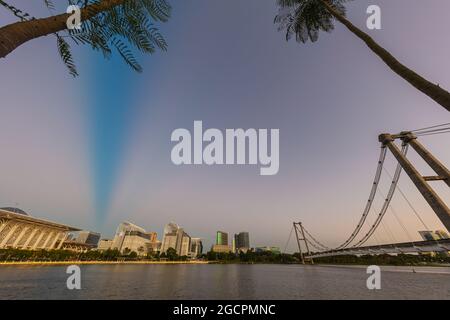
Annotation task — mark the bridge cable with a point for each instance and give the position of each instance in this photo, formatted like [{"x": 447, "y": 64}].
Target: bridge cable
[
  {"x": 414, "y": 210},
  {"x": 432, "y": 127},
  {"x": 314, "y": 246},
  {"x": 432, "y": 130},
  {"x": 372, "y": 194},
  {"x": 407, "y": 201},
  {"x": 385, "y": 226},
  {"x": 432, "y": 134},
  {"x": 386, "y": 203},
  {"x": 377, "y": 241},
  {"x": 318, "y": 243},
  {"x": 394, "y": 240},
  {"x": 388, "y": 232},
  {"x": 402, "y": 225},
  {"x": 289, "y": 239},
  {"x": 368, "y": 206}
]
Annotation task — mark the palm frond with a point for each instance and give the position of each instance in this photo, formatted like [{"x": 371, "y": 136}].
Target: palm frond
[
  {"x": 49, "y": 4},
  {"x": 127, "y": 26},
  {"x": 23, "y": 16},
  {"x": 127, "y": 55},
  {"x": 66, "y": 55},
  {"x": 305, "y": 19},
  {"x": 121, "y": 29}
]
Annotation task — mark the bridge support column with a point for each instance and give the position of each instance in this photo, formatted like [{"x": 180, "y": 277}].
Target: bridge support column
[
  {"x": 306, "y": 243},
  {"x": 298, "y": 243},
  {"x": 432, "y": 161},
  {"x": 436, "y": 203},
  {"x": 300, "y": 232}
]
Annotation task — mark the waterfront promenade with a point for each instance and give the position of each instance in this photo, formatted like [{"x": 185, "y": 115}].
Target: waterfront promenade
[{"x": 77, "y": 262}]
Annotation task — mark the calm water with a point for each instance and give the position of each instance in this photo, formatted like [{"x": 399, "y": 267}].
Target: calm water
[{"x": 222, "y": 282}]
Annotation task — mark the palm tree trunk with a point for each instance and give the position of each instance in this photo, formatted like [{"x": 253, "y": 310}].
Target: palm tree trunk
[
  {"x": 432, "y": 90},
  {"x": 16, "y": 34}
]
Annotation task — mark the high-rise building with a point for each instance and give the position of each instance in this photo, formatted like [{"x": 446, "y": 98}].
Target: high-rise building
[
  {"x": 132, "y": 238},
  {"x": 169, "y": 241},
  {"x": 121, "y": 232},
  {"x": 105, "y": 244},
  {"x": 242, "y": 241},
  {"x": 154, "y": 246},
  {"x": 175, "y": 237},
  {"x": 88, "y": 237},
  {"x": 222, "y": 238},
  {"x": 185, "y": 245},
  {"x": 171, "y": 228},
  {"x": 196, "y": 247}
]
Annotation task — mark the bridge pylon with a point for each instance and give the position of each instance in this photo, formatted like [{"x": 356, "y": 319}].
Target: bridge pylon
[
  {"x": 300, "y": 235},
  {"x": 421, "y": 182}
]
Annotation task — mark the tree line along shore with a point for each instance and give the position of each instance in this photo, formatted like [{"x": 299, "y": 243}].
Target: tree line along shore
[{"x": 15, "y": 256}]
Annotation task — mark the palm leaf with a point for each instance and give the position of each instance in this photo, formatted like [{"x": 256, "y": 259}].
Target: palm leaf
[
  {"x": 49, "y": 4},
  {"x": 305, "y": 19},
  {"x": 127, "y": 55},
  {"x": 66, "y": 55}
]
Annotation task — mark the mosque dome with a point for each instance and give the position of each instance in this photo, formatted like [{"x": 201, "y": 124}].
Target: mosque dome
[{"x": 15, "y": 210}]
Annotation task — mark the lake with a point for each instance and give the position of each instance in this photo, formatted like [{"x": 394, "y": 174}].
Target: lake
[{"x": 223, "y": 282}]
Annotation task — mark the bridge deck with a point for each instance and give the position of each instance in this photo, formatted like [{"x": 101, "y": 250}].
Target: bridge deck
[{"x": 404, "y": 247}]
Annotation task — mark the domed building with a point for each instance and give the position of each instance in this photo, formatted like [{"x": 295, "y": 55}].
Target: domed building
[
  {"x": 19, "y": 230},
  {"x": 15, "y": 210}
]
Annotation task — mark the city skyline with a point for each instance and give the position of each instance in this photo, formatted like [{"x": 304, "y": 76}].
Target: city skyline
[
  {"x": 261, "y": 82},
  {"x": 20, "y": 230},
  {"x": 126, "y": 236}
]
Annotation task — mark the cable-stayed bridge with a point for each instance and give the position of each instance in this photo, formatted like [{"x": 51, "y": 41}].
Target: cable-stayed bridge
[{"x": 310, "y": 247}]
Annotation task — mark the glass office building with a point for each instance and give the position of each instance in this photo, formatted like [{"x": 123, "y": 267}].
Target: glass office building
[{"x": 221, "y": 238}]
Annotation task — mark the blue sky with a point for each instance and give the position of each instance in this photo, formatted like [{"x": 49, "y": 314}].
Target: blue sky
[
  {"x": 95, "y": 150},
  {"x": 111, "y": 87}
]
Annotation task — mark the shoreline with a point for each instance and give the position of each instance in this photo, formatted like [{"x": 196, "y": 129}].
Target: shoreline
[
  {"x": 195, "y": 262},
  {"x": 433, "y": 265},
  {"x": 76, "y": 262}
]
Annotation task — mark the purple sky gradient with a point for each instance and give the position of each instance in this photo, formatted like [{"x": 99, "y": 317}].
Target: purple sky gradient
[{"x": 228, "y": 66}]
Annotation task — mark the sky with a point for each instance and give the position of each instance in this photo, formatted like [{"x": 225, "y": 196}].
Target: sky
[{"x": 94, "y": 151}]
